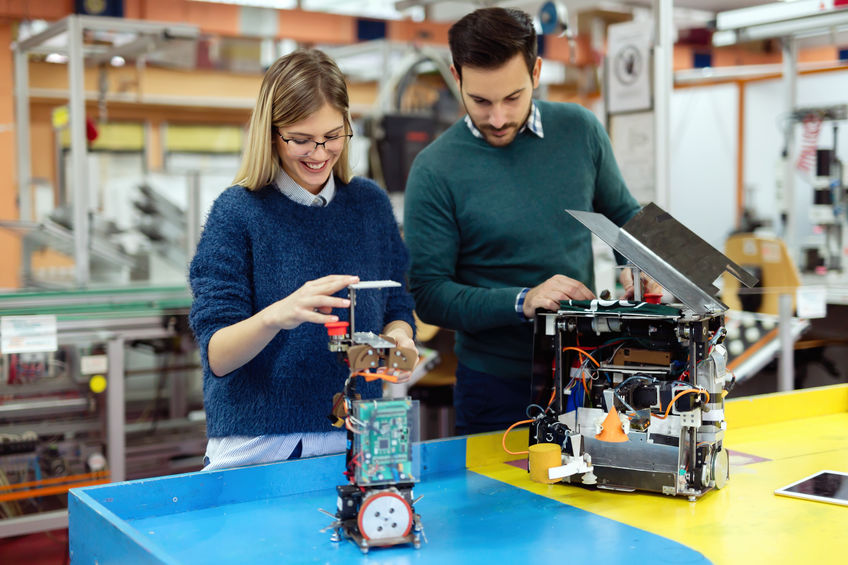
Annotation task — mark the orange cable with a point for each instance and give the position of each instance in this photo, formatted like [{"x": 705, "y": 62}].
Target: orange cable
[
  {"x": 54, "y": 480},
  {"x": 582, "y": 373},
  {"x": 678, "y": 395},
  {"x": 46, "y": 491},
  {"x": 503, "y": 439}
]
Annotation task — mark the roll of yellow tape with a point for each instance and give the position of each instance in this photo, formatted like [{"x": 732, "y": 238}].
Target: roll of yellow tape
[
  {"x": 97, "y": 384},
  {"x": 543, "y": 456}
]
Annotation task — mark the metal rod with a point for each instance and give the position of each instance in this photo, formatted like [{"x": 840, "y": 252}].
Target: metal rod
[
  {"x": 786, "y": 368},
  {"x": 663, "y": 77},
  {"x": 193, "y": 219},
  {"x": 790, "y": 82},
  {"x": 22, "y": 136},
  {"x": 693, "y": 356},
  {"x": 559, "y": 400},
  {"x": 637, "y": 283},
  {"x": 116, "y": 447},
  {"x": 79, "y": 153},
  {"x": 352, "y": 295}
]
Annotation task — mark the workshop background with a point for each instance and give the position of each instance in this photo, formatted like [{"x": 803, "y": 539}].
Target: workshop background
[{"x": 122, "y": 120}]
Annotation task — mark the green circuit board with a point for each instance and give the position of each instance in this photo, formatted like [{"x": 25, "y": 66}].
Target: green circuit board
[{"x": 383, "y": 441}]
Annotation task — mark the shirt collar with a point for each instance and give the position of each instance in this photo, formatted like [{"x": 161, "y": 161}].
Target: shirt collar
[
  {"x": 533, "y": 123},
  {"x": 298, "y": 194}
]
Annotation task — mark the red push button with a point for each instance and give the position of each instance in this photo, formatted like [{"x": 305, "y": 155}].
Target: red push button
[{"x": 336, "y": 328}]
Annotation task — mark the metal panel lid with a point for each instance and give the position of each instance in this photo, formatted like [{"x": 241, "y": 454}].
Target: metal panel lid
[{"x": 670, "y": 253}]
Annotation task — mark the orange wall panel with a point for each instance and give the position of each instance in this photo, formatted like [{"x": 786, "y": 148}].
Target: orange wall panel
[
  {"x": 314, "y": 27},
  {"x": 42, "y": 141},
  {"x": 740, "y": 55},
  {"x": 152, "y": 81},
  {"x": 558, "y": 49},
  {"x": 209, "y": 17},
  {"x": 8, "y": 176},
  {"x": 824, "y": 53},
  {"x": 35, "y": 9},
  {"x": 419, "y": 32}
]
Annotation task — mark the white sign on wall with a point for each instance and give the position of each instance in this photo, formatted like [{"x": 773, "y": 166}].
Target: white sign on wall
[
  {"x": 27, "y": 334},
  {"x": 632, "y": 138},
  {"x": 628, "y": 67},
  {"x": 811, "y": 301}
]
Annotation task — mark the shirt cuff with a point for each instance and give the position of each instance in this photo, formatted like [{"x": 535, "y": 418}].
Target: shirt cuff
[{"x": 519, "y": 303}]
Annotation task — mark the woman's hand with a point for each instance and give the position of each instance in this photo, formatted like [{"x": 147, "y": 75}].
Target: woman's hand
[
  {"x": 313, "y": 302},
  {"x": 406, "y": 342},
  {"x": 401, "y": 332}
]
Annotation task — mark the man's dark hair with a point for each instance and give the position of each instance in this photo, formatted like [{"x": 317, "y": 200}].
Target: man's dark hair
[{"x": 489, "y": 37}]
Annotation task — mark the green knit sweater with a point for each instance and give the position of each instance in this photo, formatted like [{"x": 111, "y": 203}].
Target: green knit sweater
[{"x": 483, "y": 222}]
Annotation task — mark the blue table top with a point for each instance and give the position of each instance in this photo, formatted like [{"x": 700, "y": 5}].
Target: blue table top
[{"x": 269, "y": 514}]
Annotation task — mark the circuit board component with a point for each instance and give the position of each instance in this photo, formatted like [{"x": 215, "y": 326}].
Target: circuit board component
[{"x": 383, "y": 439}]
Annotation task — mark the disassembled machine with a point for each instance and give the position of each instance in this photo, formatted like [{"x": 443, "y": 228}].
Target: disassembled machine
[
  {"x": 633, "y": 391},
  {"x": 376, "y": 507}
]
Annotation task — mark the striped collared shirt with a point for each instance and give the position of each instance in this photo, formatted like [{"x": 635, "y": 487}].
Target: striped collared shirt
[
  {"x": 533, "y": 123},
  {"x": 236, "y": 451},
  {"x": 298, "y": 194}
]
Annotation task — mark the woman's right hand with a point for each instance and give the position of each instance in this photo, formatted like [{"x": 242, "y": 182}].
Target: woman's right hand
[{"x": 313, "y": 302}]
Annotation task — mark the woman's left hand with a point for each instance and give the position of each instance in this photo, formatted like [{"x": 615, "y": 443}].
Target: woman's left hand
[
  {"x": 403, "y": 341},
  {"x": 406, "y": 342}
]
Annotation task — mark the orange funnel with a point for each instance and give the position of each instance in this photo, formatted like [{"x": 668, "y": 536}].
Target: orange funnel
[{"x": 611, "y": 429}]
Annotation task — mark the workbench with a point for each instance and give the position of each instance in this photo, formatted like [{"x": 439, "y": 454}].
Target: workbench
[{"x": 479, "y": 506}]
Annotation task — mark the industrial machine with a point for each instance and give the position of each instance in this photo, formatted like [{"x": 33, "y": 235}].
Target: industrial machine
[
  {"x": 96, "y": 386},
  {"x": 376, "y": 507},
  {"x": 823, "y": 170},
  {"x": 830, "y": 194},
  {"x": 632, "y": 392}
]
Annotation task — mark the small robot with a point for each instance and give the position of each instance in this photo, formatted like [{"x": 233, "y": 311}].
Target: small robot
[{"x": 376, "y": 507}]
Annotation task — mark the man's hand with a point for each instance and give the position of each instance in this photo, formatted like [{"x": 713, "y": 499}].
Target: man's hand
[
  {"x": 549, "y": 294},
  {"x": 649, "y": 285}
]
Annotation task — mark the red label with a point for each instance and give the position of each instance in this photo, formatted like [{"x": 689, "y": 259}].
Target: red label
[{"x": 417, "y": 136}]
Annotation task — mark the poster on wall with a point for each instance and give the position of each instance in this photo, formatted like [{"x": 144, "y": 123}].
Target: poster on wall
[
  {"x": 632, "y": 137},
  {"x": 628, "y": 67}
]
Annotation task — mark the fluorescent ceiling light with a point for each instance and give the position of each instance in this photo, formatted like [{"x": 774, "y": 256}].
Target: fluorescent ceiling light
[
  {"x": 770, "y": 13},
  {"x": 278, "y": 4},
  {"x": 383, "y": 9},
  {"x": 830, "y": 22}
]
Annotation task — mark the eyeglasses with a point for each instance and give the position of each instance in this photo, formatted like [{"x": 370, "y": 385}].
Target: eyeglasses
[{"x": 303, "y": 147}]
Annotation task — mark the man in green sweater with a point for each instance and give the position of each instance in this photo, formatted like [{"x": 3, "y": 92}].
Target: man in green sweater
[{"x": 485, "y": 219}]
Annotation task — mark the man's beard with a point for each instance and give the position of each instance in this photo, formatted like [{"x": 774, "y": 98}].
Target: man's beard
[{"x": 489, "y": 131}]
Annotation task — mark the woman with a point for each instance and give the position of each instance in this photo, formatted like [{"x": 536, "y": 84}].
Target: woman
[{"x": 276, "y": 255}]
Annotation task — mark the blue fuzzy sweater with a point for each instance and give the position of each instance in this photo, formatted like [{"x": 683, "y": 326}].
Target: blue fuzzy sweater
[{"x": 259, "y": 247}]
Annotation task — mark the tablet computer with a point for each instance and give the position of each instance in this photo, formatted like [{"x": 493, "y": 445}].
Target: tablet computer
[{"x": 824, "y": 486}]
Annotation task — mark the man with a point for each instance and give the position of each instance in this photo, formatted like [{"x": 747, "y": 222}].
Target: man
[{"x": 485, "y": 218}]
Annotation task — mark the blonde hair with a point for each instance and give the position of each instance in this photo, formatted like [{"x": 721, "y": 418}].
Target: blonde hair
[{"x": 296, "y": 86}]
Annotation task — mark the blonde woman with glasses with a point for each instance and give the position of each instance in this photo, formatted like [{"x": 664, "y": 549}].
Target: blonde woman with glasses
[{"x": 277, "y": 251}]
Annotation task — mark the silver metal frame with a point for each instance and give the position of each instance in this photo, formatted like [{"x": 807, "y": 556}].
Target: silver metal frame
[
  {"x": 663, "y": 79},
  {"x": 74, "y": 27}
]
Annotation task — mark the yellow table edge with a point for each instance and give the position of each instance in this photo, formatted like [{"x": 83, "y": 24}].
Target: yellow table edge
[{"x": 795, "y": 433}]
